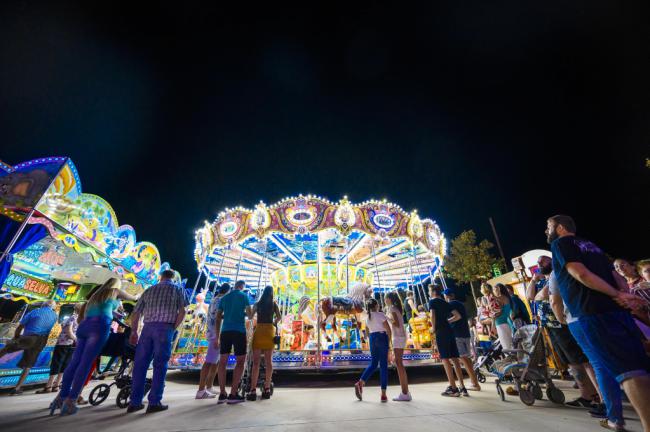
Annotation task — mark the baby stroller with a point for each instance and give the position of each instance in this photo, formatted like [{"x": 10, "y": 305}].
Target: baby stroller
[
  {"x": 118, "y": 346},
  {"x": 526, "y": 367},
  {"x": 246, "y": 385},
  {"x": 486, "y": 360}
]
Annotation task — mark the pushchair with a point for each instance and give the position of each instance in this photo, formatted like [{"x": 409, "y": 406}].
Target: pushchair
[
  {"x": 246, "y": 385},
  {"x": 118, "y": 346},
  {"x": 486, "y": 360},
  {"x": 526, "y": 367}
]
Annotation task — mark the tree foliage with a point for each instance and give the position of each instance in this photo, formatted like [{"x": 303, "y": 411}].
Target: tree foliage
[{"x": 468, "y": 261}]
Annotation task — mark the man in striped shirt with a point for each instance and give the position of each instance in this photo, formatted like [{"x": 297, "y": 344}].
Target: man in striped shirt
[{"x": 162, "y": 307}]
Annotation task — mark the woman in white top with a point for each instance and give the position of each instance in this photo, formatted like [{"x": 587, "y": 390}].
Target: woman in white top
[
  {"x": 380, "y": 334},
  {"x": 395, "y": 310}
]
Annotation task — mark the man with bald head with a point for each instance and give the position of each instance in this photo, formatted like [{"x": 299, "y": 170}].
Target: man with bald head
[{"x": 31, "y": 337}]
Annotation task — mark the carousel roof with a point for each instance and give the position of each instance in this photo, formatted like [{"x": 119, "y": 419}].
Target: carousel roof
[{"x": 394, "y": 246}]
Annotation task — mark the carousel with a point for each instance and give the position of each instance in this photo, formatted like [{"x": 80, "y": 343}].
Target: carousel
[{"x": 323, "y": 260}]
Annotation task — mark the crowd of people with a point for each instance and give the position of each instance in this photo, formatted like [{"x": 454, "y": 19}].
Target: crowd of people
[{"x": 595, "y": 312}]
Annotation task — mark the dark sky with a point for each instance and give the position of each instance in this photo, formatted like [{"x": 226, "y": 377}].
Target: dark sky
[{"x": 463, "y": 110}]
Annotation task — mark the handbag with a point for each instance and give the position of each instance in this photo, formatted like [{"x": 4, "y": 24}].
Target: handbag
[{"x": 276, "y": 338}]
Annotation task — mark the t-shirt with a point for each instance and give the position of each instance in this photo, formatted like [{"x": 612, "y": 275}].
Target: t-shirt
[
  {"x": 442, "y": 310},
  {"x": 212, "y": 317},
  {"x": 233, "y": 305},
  {"x": 580, "y": 299},
  {"x": 69, "y": 323},
  {"x": 375, "y": 322},
  {"x": 554, "y": 289},
  {"x": 39, "y": 321},
  {"x": 460, "y": 327},
  {"x": 104, "y": 309}
]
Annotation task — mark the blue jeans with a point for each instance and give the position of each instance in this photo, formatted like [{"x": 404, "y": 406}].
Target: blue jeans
[
  {"x": 155, "y": 343},
  {"x": 379, "y": 353},
  {"x": 92, "y": 335},
  {"x": 609, "y": 387}
]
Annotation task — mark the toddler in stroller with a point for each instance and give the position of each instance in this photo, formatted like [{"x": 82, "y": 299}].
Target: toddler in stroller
[
  {"x": 118, "y": 346},
  {"x": 527, "y": 368}
]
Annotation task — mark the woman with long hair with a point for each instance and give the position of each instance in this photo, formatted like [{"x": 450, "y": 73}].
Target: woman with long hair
[
  {"x": 394, "y": 311},
  {"x": 380, "y": 335},
  {"x": 92, "y": 334},
  {"x": 268, "y": 316},
  {"x": 502, "y": 318}
]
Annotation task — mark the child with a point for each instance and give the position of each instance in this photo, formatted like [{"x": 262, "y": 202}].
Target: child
[
  {"x": 380, "y": 335},
  {"x": 394, "y": 310}
]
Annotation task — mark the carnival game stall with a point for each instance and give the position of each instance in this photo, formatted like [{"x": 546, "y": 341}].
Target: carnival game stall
[
  {"x": 324, "y": 260},
  {"x": 59, "y": 243}
]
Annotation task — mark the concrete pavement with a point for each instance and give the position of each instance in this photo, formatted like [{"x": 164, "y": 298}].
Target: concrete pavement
[{"x": 310, "y": 406}]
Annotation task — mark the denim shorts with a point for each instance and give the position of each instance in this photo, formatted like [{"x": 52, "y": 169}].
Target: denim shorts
[{"x": 612, "y": 339}]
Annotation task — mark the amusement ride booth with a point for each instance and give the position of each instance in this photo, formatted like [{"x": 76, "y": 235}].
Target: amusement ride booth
[
  {"x": 323, "y": 260},
  {"x": 59, "y": 243}
]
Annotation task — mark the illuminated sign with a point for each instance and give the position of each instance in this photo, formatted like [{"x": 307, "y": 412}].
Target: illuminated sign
[
  {"x": 22, "y": 284},
  {"x": 383, "y": 220}
]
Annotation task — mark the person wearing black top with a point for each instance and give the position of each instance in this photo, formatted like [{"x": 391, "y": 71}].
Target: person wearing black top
[
  {"x": 445, "y": 340},
  {"x": 268, "y": 316},
  {"x": 460, "y": 326},
  {"x": 604, "y": 330}
]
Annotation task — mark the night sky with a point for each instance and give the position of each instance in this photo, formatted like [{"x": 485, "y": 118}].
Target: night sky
[{"x": 462, "y": 110}]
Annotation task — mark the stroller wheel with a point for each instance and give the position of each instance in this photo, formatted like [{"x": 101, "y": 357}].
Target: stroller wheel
[
  {"x": 479, "y": 376},
  {"x": 526, "y": 394},
  {"x": 99, "y": 394},
  {"x": 122, "y": 400},
  {"x": 555, "y": 395},
  {"x": 501, "y": 393}
]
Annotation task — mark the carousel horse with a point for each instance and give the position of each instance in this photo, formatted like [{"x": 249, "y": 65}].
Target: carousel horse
[{"x": 352, "y": 304}]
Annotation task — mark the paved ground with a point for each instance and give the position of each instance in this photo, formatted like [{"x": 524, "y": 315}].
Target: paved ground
[{"x": 312, "y": 404}]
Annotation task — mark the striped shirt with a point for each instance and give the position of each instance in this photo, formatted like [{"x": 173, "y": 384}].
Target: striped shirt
[
  {"x": 39, "y": 321},
  {"x": 161, "y": 303}
]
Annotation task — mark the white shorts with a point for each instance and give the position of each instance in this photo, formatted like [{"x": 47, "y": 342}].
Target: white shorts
[
  {"x": 212, "y": 356},
  {"x": 399, "y": 342}
]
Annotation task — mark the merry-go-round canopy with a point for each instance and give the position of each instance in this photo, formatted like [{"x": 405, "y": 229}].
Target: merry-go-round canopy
[{"x": 307, "y": 241}]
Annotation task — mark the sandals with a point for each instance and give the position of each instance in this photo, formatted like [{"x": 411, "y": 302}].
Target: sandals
[
  {"x": 252, "y": 396},
  {"x": 266, "y": 394},
  {"x": 45, "y": 390}
]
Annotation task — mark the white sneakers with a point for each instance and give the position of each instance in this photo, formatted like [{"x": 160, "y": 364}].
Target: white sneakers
[
  {"x": 403, "y": 397},
  {"x": 204, "y": 394}
]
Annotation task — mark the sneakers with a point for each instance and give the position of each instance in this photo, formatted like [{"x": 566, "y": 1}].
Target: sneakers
[
  {"x": 252, "y": 396},
  {"x": 384, "y": 398},
  {"x": 598, "y": 411},
  {"x": 451, "y": 392},
  {"x": 463, "y": 392},
  {"x": 234, "y": 399},
  {"x": 358, "y": 390},
  {"x": 580, "y": 403},
  {"x": 204, "y": 394},
  {"x": 611, "y": 426},
  {"x": 222, "y": 398},
  {"x": 156, "y": 408},
  {"x": 212, "y": 390},
  {"x": 134, "y": 408},
  {"x": 403, "y": 397}
]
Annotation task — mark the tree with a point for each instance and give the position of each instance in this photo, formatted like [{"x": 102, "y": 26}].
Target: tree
[{"x": 469, "y": 261}]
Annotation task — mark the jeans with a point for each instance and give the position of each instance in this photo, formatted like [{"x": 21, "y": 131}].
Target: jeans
[
  {"x": 92, "y": 335},
  {"x": 155, "y": 343},
  {"x": 379, "y": 353},
  {"x": 609, "y": 387}
]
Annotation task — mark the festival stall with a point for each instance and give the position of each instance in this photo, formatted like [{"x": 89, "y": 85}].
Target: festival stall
[
  {"x": 57, "y": 242},
  {"x": 323, "y": 260}
]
